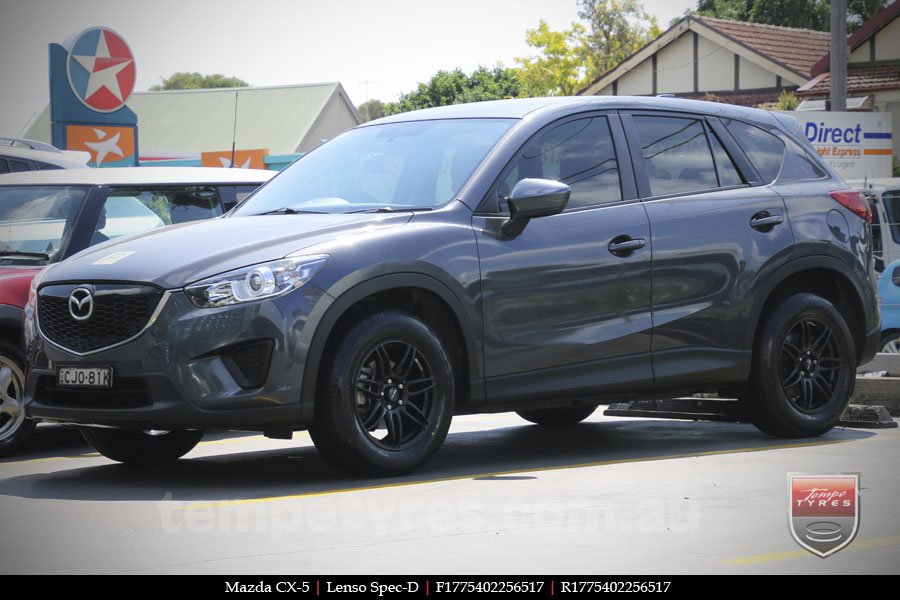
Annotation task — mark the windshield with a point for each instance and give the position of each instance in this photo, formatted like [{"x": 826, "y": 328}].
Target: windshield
[
  {"x": 34, "y": 221},
  {"x": 396, "y": 166}
]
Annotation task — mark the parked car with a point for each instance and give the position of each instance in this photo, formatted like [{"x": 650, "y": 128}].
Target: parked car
[
  {"x": 889, "y": 294},
  {"x": 47, "y": 216},
  {"x": 883, "y": 196},
  {"x": 21, "y": 155},
  {"x": 537, "y": 255}
]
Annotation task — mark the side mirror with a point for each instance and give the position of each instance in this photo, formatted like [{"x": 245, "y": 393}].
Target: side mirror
[{"x": 534, "y": 198}]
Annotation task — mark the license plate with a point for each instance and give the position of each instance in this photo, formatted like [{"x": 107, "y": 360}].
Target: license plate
[{"x": 100, "y": 377}]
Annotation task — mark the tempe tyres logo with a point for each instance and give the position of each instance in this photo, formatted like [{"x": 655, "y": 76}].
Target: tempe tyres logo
[{"x": 823, "y": 511}]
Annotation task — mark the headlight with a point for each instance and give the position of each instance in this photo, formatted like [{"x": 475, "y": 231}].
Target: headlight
[{"x": 255, "y": 282}]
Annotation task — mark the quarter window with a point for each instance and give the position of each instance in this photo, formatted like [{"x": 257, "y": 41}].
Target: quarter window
[
  {"x": 676, "y": 154},
  {"x": 798, "y": 166},
  {"x": 578, "y": 153},
  {"x": 763, "y": 149}
]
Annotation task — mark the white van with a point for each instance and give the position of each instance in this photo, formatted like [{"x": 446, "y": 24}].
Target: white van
[{"x": 883, "y": 196}]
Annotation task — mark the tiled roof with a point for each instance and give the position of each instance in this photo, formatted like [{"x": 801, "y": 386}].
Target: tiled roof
[
  {"x": 797, "y": 49},
  {"x": 859, "y": 79}
]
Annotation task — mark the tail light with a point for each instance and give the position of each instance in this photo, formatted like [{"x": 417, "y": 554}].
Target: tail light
[{"x": 853, "y": 201}]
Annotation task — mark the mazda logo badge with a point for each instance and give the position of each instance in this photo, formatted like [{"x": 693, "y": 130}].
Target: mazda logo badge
[{"x": 81, "y": 304}]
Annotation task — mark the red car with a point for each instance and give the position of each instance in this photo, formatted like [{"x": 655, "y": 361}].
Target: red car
[{"x": 47, "y": 216}]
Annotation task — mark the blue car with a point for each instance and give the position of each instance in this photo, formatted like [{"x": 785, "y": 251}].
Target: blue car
[{"x": 889, "y": 292}]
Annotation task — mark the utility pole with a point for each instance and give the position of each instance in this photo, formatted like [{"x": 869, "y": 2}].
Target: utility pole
[{"x": 838, "y": 58}]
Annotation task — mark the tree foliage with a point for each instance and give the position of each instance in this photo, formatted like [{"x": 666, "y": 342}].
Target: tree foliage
[
  {"x": 371, "y": 110},
  {"x": 559, "y": 67},
  {"x": 616, "y": 29},
  {"x": 808, "y": 14},
  {"x": 456, "y": 87},
  {"x": 195, "y": 81}
]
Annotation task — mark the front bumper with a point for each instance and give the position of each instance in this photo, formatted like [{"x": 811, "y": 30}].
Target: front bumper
[{"x": 178, "y": 372}]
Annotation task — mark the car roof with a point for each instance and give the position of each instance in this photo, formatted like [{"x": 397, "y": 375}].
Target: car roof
[
  {"x": 58, "y": 157},
  {"x": 879, "y": 183},
  {"x": 138, "y": 176},
  {"x": 519, "y": 108}
]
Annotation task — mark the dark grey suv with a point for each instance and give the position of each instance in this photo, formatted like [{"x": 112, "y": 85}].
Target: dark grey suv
[{"x": 541, "y": 256}]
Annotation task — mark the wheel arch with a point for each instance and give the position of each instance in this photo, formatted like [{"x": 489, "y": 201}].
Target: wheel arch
[
  {"x": 821, "y": 275},
  {"x": 422, "y": 295}
]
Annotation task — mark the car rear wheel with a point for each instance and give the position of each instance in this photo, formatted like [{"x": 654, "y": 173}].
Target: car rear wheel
[
  {"x": 804, "y": 368},
  {"x": 386, "y": 405},
  {"x": 557, "y": 417},
  {"x": 14, "y": 427},
  {"x": 142, "y": 448}
]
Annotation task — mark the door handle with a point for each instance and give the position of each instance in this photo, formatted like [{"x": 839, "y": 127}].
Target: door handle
[
  {"x": 624, "y": 245},
  {"x": 764, "y": 221}
]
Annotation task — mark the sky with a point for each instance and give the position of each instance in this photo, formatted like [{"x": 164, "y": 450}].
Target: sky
[{"x": 375, "y": 49}]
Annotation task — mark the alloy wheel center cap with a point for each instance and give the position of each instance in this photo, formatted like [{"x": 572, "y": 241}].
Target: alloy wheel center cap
[{"x": 392, "y": 394}]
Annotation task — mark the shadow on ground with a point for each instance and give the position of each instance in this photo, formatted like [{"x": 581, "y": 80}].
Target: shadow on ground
[{"x": 492, "y": 456}]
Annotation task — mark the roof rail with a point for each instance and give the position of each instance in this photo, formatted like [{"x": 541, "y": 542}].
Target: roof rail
[{"x": 30, "y": 144}]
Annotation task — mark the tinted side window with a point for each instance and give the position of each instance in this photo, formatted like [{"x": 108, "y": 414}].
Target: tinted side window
[
  {"x": 891, "y": 201},
  {"x": 17, "y": 166},
  {"x": 797, "y": 165},
  {"x": 728, "y": 174},
  {"x": 4, "y": 166},
  {"x": 578, "y": 153},
  {"x": 46, "y": 166},
  {"x": 763, "y": 149},
  {"x": 676, "y": 154}
]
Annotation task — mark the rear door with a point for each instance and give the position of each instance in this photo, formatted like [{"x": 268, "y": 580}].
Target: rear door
[
  {"x": 566, "y": 303},
  {"x": 716, "y": 230}
]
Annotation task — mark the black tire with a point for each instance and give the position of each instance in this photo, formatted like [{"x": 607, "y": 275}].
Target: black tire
[
  {"x": 890, "y": 342},
  {"x": 14, "y": 427},
  {"x": 557, "y": 417},
  {"x": 386, "y": 403},
  {"x": 139, "y": 448},
  {"x": 804, "y": 368}
]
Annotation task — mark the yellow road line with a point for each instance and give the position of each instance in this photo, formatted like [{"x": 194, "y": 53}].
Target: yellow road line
[
  {"x": 756, "y": 559},
  {"x": 601, "y": 463}
]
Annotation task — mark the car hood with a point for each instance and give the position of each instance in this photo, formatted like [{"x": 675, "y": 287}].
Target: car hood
[
  {"x": 178, "y": 255},
  {"x": 14, "y": 282}
]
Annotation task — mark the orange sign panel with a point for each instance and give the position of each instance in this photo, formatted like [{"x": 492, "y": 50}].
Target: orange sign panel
[
  {"x": 108, "y": 146},
  {"x": 243, "y": 159}
]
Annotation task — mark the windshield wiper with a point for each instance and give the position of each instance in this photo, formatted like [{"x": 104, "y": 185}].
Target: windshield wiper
[
  {"x": 41, "y": 255},
  {"x": 287, "y": 210},
  {"x": 389, "y": 209}
]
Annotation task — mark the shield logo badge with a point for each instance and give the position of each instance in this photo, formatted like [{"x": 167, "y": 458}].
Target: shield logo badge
[{"x": 823, "y": 511}]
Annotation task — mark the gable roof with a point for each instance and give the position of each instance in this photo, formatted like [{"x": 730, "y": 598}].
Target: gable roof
[
  {"x": 279, "y": 118},
  {"x": 786, "y": 51},
  {"x": 859, "y": 79},
  {"x": 862, "y": 35}
]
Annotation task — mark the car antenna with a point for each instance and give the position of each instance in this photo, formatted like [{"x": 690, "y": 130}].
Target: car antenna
[{"x": 234, "y": 130}]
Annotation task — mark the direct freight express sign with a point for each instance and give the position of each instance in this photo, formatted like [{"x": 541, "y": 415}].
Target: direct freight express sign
[{"x": 856, "y": 145}]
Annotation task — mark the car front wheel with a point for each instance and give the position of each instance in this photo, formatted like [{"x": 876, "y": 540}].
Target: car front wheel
[
  {"x": 386, "y": 405},
  {"x": 142, "y": 448},
  {"x": 14, "y": 427},
  {"x": 804, "y": 368}
]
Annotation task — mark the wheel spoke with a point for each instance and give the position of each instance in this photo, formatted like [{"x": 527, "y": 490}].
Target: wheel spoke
[
  {"x": 375, "y": 417},
  {"x": 791, "y": 350},
  {"x": 383, "y": 362},
  {"x": 10, "y": 408},
  {"x": 368, "y": 391},
  {"x": 824, "y": 386},
  {"x": 792, "y": 379},
  {"x": 829, "y": 364},
  {"x": 406, "y": 363},
  {"x": 818, "y": 345},
  {"x": 806, "y": 392},
  {"x": 6, "y": 377},
  {"x": 416, "y": 415},
  {"x": 394, "y": 423},
  {"x": 805, "y": 337},
  {"x": 423, "y": 385}
]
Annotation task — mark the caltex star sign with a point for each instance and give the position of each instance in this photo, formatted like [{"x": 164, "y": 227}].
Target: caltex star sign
[{"x": 101, "y": 69}]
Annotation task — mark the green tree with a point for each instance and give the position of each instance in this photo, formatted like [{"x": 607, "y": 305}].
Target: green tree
[
  {"x": 456, "y": 87},
  {"x": 616, "y": 29},
  {"x": 808, "y": 14},
  {"x": 373, "y": 109},
  {"x": 559, "y": 67},
  {"x": 195, "y": 81}
]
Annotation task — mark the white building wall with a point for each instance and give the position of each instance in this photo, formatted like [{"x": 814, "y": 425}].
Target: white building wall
[
  {"x": 887, "y": 42},
  {"x": 638, "y": 81},
  {"x": 675, "y": 66},
  {"x": 716, "y": 67},
  {"x": 755, "y": 77}
]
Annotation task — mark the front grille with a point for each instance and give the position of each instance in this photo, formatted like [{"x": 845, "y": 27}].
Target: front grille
[
  {"x": 248, "y": 362},
  {"x": 120, "y": 311},
  {"x": 126, "y": 392}
]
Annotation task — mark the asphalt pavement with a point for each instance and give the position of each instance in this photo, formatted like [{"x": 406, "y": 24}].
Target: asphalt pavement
[{"x": 611, "y": 495}]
